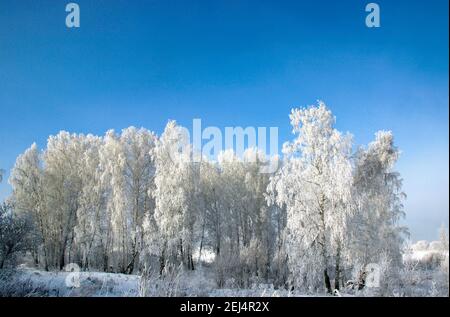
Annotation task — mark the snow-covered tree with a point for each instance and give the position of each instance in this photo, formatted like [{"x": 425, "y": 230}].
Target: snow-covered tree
[
  {"x": 247, "y": 224},
  {"x": 212, "y": 216},
  {"x": 128, "y": 168},
  {"x": 443, "y": 238},
  {"x": 63, "y": 187},
  {"x": 374, "y": 229},
  {"x": 27, "y": 181},
  {"x": 91, "y": 226},
  {"x": 176, "y": 184},
  {"x": 314, "y": 185},
  {"x": 14, "y": 233}
]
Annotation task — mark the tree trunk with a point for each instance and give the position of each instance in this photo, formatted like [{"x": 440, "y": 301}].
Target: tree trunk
[
  {"x": 327, "y": 280},
  {"x": 2, "y": 262},
  {"x": 182, "y": 251},
  {"x": 337, "y": 273},
  {"x": 130, "y": 267},
  {"x": 162, "y": 260},
  {"x": 62, "y": 254},
  {"x": 201, "y": 243},
  {"x": 105, "y": 262},
  {"x": 192, "y": 263},
  {"x": 337, "y": 277}
]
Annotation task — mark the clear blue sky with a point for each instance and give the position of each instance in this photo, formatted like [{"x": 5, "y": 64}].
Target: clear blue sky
[{"x": 234, "y": 63}]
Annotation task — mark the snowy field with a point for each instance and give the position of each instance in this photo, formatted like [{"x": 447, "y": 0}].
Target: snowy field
[
  {"x": 36, "y": 283},
  {"x": 28, "y": 282},
  {"x": 422, "y": 275}
]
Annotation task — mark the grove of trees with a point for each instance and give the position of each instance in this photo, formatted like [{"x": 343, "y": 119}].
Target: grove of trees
[{"x": 128, "y": 201}]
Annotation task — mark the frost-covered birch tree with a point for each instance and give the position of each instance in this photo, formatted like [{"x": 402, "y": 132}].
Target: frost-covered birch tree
[
  {"x": 314, "y": 186},
  {"x": 175, "y": 196},
  {"x": 374, "y": 229},
  {"x": 28, "y": 194},
  {"x": 90, "y": 227},
  {"x": 129, "y": 171}
]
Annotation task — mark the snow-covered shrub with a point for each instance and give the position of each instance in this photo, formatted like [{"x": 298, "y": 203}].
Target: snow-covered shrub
[
  {"x": 421, "y": 245},
  {"x": 380, "y": 279},
  {"x": 436, "y": 246},
  {"x": 427, "y": 256},
  {"x": 227, "y": 269},
  {"x": 280, "y": 270},
  {"x": 425, "y": 270},
  {"x": 161, "y": 285},
  {"x": 253, "y": 264},
  {"x": 240, "y": 268},
  {"x": 444, "y": 268},
  {"x": 176, "y": 281},
  {"x": 166, "y": 284},
  {"x": 411, "y": 277},
  {"x": 14, "y": 235},
  {"x": 432, "y": 260}
]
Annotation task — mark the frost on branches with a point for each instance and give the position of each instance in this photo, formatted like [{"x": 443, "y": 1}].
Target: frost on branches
[
  {"x": 137, "y": 203},
  {"x": 314, "y": 185}
]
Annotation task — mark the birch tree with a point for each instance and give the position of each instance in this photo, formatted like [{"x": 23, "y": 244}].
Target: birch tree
[
  {"x": 374, "y": 229},
  {"x": 314, "y": 186},
  {"x": 27, "y": 180},
  {"x": 175, "y": 196},
  {"x": 128, "y": 172}
]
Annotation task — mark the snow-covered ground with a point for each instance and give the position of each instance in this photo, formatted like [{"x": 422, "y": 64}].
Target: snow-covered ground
[
  {"x": 28, "y": 282},
  {"x": 423, "y": 274}
]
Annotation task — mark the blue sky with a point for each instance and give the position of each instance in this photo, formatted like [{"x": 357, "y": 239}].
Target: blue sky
[{"x": 234, "y": 63}]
